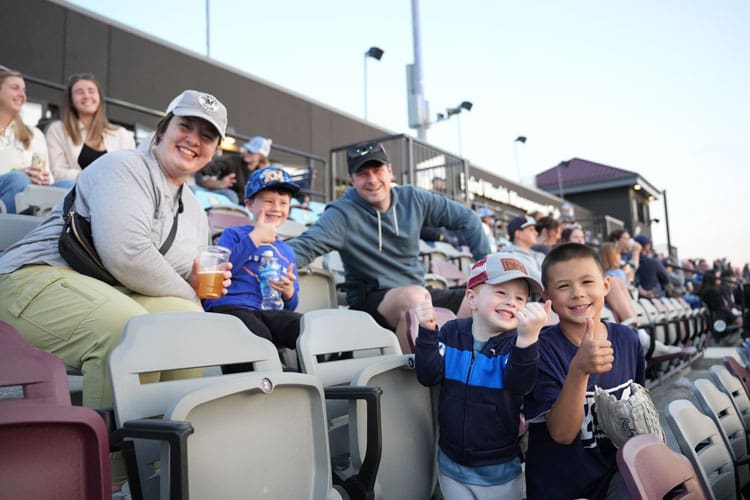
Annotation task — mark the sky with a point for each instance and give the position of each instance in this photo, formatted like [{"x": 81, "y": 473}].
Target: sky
[{"x": 659, "y": 88}]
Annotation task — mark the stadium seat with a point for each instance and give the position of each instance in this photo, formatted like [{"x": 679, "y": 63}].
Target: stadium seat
[
  {"x": 39, "y": 375},
  {"x": 719, "y": 407},
  {"x": 409, "y": 435},
  {"x": 220, "y": 218},
  {"x": 651, "y": 469},
  {"x": 732, "y": 387},
  {"x": 317, "y": 289},
  {"x": 701, "y": 442},
  {"x": 13, "y": 227},
  {"x": 49, "y": 448},
  {"x": 53, "y": 451},
  {"x": 39, "y": 199},
  {"x": 335, "y": 345},
  {"x": 290, "y": 229},
  {"x": 442, "y": 314},
  {"x": 739, "y": 371},
  {"x": 216, "y": 426}
]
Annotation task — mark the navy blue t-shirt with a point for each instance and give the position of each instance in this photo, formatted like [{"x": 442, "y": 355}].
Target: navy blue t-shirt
[{"x": 583, "y": 468}]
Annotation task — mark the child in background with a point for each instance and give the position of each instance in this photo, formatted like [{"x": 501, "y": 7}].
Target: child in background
[
  {"x": 485, "y": 364},
  {"x": 268, "y": 196},
  {"x": 569, "y": 456}
]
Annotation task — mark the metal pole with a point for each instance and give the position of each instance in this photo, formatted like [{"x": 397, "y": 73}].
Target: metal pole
[
  {"x": 419, "y": 89},
  {"x": 365, "y": 86},
  {"x": 560, "y": 182},
  {"x": 208, "y": 30},
  {"x": 458, "y": 125},
  {"x": 518, "y": 165},
  {"x": 666, "y": 223}
]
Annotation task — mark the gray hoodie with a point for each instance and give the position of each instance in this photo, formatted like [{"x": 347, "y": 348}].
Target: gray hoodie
[{"x": 381, "y": 249}]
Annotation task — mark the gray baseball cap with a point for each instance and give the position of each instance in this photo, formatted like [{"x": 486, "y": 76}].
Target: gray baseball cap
[{"x": 200, "y": 105}]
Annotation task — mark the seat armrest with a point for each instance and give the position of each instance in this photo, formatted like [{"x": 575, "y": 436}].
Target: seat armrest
[
  {"x": 362, "y": 484},
  {"x": 175, "y": 433}
]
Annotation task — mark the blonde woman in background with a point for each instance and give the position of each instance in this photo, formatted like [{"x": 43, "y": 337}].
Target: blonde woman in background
[
  {"x": 23, "y": 151},
  {"x": 84, "y": 133}
]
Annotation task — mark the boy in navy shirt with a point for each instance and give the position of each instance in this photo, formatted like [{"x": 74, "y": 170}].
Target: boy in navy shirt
[
  {"x": 268, "y": 195},
  {"x": 485, "y": 364},
  {"x": 569, "y": 456}
]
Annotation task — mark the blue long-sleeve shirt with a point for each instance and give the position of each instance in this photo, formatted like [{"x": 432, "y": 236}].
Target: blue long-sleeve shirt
[
  {"x": 481, "y": 393},
  {"x": 245, "y": 259}
]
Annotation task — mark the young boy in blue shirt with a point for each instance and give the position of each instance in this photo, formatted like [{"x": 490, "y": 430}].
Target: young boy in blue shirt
[
  {"x": 485, "y": 364},
  {"x": 569, "y": 456},
  {"x": 268, "y": 196}
]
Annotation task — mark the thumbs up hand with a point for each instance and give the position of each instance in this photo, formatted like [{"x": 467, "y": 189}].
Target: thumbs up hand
[{"x": 595, "y": 354}]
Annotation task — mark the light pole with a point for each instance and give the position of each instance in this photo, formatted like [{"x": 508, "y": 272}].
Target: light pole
[
  {"x": 522, "y": 140},
  {"x": 467, "y": 105},
  {"x": 666, "y": 223},
  {"x": 376, "y": 53},
  {"x": 563, "y": 164}
]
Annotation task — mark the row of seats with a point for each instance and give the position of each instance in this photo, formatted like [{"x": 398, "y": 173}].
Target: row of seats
[
  {"x": 714, "y": 434},
  {"x": 671, "y": 322},
  {"x": 342, "y": 429}
]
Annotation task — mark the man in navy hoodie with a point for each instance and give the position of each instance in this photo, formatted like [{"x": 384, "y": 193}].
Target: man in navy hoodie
[{"x": 375, "y": 228}]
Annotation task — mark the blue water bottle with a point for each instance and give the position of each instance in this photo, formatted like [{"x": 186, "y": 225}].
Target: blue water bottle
[{"x": 269, "y": 270}]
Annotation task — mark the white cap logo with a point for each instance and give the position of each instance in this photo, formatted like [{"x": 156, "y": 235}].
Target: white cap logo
[{"x": 208, "y": 102}]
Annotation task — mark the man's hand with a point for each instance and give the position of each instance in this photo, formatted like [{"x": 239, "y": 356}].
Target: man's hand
[
  {"x": 426, "y": 313},
  {"x": 285, "y": 283},
  {"x": 595, "y": 354},
  {"x": 531, "y": 319},
  {"x": 263, "y": 233}
]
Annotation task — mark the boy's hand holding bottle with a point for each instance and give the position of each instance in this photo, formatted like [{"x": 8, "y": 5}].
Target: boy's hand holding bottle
[
  {"x": 531, "y": 319},
  {"x": 426, "y": 313}
]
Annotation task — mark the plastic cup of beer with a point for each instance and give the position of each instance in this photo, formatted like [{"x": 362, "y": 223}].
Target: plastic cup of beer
[{"x": 212, "y": 262}]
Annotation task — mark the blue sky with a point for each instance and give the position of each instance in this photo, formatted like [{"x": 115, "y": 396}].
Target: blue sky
[{"x": 660, "y": 88}]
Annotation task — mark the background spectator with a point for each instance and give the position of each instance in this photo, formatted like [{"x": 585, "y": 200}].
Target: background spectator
[
  {"x": 488, "y": 222},
  {"x": 522, "y": 235},
  {"x": 573, "y": 233},
  {"x": 23, "y": 151},
  {"x": 548, "y": 229},
  {"x": 228, "y": 174},
  {"x": 84, "y": 133},
  {"x": 651, "y": 276},
  {"x": 630, "y": 250}
]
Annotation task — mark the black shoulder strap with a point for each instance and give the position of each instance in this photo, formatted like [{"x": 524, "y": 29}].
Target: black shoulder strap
[
  {"x": 170, "y": 239},
  {"x": 70, "y": 198}
]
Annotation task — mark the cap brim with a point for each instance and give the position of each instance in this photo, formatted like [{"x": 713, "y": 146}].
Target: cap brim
[
  {"x": 534, "y": 285},
  {"x": 364, "y": 162},
  {"x": 203, "y": 116},
  {"x": 286, "y": 186}
]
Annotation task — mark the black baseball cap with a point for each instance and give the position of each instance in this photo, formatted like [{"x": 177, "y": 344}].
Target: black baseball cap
[{"x": 365, "y": 153}]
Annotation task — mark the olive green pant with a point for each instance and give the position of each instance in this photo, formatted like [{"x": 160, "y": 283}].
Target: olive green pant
[{"x": 79, "y": 319}]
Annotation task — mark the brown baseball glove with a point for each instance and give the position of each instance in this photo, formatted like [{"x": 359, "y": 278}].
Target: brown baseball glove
[{"x": 623, "y": 419}]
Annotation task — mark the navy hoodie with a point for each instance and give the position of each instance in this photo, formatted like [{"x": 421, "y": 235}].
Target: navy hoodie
[{"x": 481, "y": 393}]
